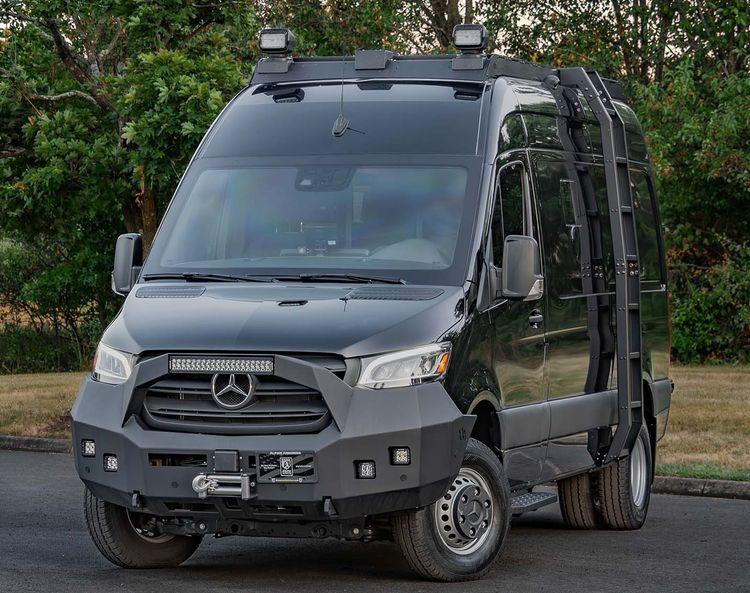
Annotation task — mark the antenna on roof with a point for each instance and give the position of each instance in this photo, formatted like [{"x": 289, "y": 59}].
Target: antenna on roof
[{"x": 341, "y": 125}]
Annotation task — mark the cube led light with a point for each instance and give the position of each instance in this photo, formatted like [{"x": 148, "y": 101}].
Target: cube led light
[
  {"x": 365, "y": 469},
  {"x": 400, "y": 456},
  {"x": 110, "y": 463},
  {"x": 88, "y": 448}
]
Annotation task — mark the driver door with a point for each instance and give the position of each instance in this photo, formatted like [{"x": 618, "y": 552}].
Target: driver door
[{"x": 519, "y": 341}]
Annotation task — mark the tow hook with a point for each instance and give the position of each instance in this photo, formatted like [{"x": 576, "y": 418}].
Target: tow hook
[{"x": 223, "y": 485}]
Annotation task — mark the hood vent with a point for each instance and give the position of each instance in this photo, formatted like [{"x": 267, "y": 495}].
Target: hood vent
[
  {"x": 392, "y": 293},
  {"x": 169, "y": 292}
]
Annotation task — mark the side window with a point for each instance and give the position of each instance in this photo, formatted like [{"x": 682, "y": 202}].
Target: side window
[
  {"x": 557, "y": 189},
  {"x": 508, "y": 216},
  {"x": 646, "y": 228}
]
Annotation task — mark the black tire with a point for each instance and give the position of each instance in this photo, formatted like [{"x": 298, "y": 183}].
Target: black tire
[
  {"x": 416, "y": 532},
  {"x": 617, "y": 507},
  {"x": 577, "y": 497},
  {"x": 113, "y": 534}
]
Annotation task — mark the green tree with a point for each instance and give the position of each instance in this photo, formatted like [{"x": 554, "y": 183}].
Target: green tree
[{"x": 102, "y": 105}]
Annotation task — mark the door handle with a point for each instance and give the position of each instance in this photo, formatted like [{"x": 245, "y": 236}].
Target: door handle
[{"x": 535, "y": 319}]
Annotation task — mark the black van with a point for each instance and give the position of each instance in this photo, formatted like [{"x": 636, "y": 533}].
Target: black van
[{"x": 394, "y": 297}]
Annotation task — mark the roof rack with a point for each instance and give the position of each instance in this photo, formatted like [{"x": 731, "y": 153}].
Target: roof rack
[{"x": 385, "y": 64}]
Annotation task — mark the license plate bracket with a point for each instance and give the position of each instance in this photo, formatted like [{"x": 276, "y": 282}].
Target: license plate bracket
[{"x": 290, "y": 467}]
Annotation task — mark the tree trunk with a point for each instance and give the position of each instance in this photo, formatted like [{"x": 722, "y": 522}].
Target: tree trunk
[{"x": 146, "y": 202}]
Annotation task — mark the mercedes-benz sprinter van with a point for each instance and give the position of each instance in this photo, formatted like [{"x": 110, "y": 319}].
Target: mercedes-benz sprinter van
[{"x": 393, "y": 297}]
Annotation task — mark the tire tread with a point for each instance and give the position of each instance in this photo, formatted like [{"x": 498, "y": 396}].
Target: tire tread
[{"x": 102, "y": 521}]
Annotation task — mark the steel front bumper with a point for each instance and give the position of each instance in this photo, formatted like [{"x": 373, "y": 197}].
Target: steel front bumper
[{"x": 366, "y": 424}]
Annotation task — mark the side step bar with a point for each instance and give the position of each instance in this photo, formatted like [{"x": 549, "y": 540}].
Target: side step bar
[{"x": 530, "y": 501}]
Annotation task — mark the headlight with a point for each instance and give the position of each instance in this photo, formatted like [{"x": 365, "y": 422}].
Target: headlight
[
  {"x": 112, "y": 366},
  {"x": 408, "y": 367}
]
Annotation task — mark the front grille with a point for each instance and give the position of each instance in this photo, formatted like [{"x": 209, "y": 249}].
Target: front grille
[{"x": 183, "y": 402}]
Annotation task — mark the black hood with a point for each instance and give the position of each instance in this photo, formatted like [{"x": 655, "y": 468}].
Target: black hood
[{"x": 349, "y": 320}]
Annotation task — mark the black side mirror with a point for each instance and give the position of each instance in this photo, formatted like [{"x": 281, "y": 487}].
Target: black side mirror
[
  {"x": 128, "y": 262},
  {"x": 522, "y": 270}
]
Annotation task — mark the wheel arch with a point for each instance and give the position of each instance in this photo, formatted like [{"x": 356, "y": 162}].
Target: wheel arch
[
  {"x": 485, "y": 407},
  {"x": 649, "y": 417}
]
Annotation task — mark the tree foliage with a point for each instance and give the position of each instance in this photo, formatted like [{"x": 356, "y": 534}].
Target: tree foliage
[{"x": 102, "y": 104}]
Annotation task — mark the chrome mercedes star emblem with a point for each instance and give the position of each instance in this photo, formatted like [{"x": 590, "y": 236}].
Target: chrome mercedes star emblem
[{"x": 232, "y": 391}]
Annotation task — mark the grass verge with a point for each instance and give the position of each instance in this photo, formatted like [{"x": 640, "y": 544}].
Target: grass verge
[
  {"x": 37, "y": 405},
  {"x": 709, "y": 424},
  {"x": 708, "y": 435}
]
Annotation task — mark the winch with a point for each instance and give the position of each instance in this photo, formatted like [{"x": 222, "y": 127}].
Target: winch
[{"x": 223, "y": 485}]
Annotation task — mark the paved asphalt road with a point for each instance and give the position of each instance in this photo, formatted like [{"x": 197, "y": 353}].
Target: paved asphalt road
[{"x": 688, "y": 544}]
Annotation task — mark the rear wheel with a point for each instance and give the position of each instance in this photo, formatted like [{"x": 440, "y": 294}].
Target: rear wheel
[
  {"x": 577, "y": 498},
  {"x": 460, "y": 536},
  {"x": 625, "y": 487},
  {"x": 132, "y": 540},
  {"x": 615, "y": 497}
]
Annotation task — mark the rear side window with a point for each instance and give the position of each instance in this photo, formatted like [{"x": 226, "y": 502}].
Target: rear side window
[
  {"x": 647, "y": 228},
  {"x": 508, "y": 216}
]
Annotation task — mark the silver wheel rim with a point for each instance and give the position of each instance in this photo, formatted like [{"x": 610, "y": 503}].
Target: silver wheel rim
[
  {"x": 143, "y": 526},
  {"x": 638, "y": 471},
  {"x": 468, "y": 492}
]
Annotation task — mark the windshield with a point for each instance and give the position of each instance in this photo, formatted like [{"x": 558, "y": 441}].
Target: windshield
[{"x": 404, "y": 216}]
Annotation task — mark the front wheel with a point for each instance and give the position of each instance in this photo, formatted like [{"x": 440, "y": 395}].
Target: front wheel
[
  {"x": 132, "y": 540},
  {"x": 461, "y": 535}
]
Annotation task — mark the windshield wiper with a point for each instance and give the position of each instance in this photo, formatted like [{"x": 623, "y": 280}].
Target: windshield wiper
[
  {"x": 197, "y": 277},
  {"x": 343, "y": 278}
]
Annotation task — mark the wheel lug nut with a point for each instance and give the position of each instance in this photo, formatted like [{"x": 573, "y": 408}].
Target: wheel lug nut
[{"x": 464, "y": 499}]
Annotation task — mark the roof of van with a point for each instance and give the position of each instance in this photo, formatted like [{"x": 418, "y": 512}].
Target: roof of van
[{"x": 384, "y": 64}]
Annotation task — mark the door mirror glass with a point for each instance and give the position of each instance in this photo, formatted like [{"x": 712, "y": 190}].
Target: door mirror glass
[
  {"x": 128, "y": 262},
  {"x": 522, "y": 270}
]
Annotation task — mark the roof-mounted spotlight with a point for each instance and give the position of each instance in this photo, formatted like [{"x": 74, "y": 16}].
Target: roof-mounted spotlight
[
  {"x": 276, "y": 42},
  {"x": 470, "y": 39}
]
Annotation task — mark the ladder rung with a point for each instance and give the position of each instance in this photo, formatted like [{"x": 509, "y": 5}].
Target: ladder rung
[
  {"x": 626, "y": 209},
  {"x": 631, "y": 257},
  {"x": 621, "y": 160},
  {"x": 633, "y": 306},
  {"x": 634, "y": 355},
  {"x": 635, "y": 404}
]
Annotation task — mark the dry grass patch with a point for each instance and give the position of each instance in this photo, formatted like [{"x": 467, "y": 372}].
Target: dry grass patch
[
  {"x": 709, "y": 423},
  {"x": 708, "y": 434},
  {"x": 37, "y": 404}
]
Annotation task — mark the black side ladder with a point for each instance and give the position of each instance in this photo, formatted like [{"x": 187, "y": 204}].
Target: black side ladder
[
  {"x": 589, "y": 220},
  {"x": 625, "y": 251}
]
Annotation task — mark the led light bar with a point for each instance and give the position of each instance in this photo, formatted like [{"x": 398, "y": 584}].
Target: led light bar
[
  {"x": 276, "y": 41},
  {"x": 470, "y": 38},
  {"x": 221, "y": 364}
]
